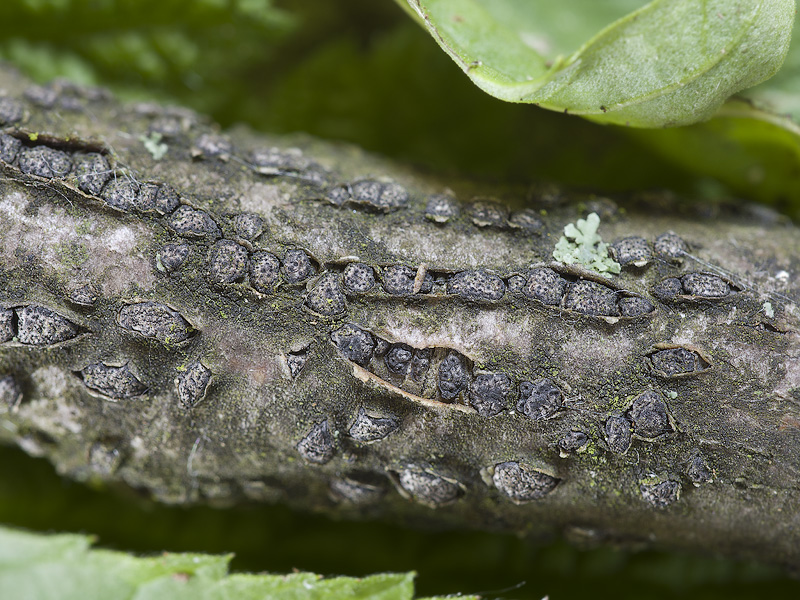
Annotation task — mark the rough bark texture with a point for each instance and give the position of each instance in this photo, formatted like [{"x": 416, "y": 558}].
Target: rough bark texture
[{"x": 237, "y": 319}]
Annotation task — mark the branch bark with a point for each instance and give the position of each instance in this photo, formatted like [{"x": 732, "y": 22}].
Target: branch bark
[{"x": 217, "y": 318}]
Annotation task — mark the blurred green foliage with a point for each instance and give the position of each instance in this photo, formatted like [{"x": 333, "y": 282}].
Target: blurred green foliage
[{"x": 34, "y": 567}]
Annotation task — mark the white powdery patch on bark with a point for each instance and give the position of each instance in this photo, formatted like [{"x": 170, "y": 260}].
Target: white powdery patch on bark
[
  {"x": 791, "y": 378},
  {"x": 451, "y": 248},
  {"x": 51, "y": 386},
  {"x": 80, "y": 249},
  {"x": 243, "y": 353},
  {"x": 261, "y": 198},
  {"x": 469, "y": 334},
  {"x": 595, "y": 353}
]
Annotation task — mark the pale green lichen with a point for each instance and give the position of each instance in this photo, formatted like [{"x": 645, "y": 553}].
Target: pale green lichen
[
  {"x": 769, "y": 310},
  {"x": 581, "y": 245},
  {"x": 154, "y": 145}
]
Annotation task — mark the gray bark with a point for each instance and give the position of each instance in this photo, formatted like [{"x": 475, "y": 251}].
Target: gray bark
[{"x": 257, "y": 318}]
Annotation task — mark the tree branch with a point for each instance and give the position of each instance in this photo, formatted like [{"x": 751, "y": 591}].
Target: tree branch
[{"x": 216, "y": 318}]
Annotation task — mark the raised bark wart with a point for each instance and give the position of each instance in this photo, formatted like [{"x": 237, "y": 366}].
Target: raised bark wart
[
  {"x": 8, "y": 324},
  {"x": 420, "y": 363},
  {"x": 668, "y": 289},
  {"x": 695, "y": 287},
  {"x": 488, "y": 213},
  {"x": 317, "y": 447},
  {"x": 44, "y": 96},
  {"x": 539, "y": 400},
  {"x": 296, "y": 361},
  {"x": 400, "y": 280},
  {"x": 698, "y": 471},
  {"x": 489, "y": 393},
  {"x": 545, "y": 285},
  {"x": 210, "y": 145},
  {"x": 669, "y": 247},
  {"x": 193, "y": 223},
  {"x": 358, "y": 278},
  {"x": 355, "y": 344},
  {"x": 441, "y": 208},
  {"x": 156, "y": 321},
  {"x": 338, "y": 194},
  {"x": 192, "y": 384},
  {"x": 40, "y": 326},
  {"x": 326, "y": 297},
  {"x": 515, "y": 284},
  {"x": 275, "y": 161},
  {"x": 248, "y": 226},
  {"x": 44, "y": 162},
  {"x": 9, "y": 148},
  {"x": 297, "y": 266},
  {"x": 705, "y": 285},
  {"x": 573, "y": 441},
  {"x": 115, "y": 382},
  {"x": 227, "y": 262},
  {"x": 147, "y": 200},
  {"x": 618, "y": 434},
  {"x": 661, "y": 495},
  {"x": 634, "y": 306},
  {"x": 167, "y": 200},
  {"x": 172, "y": 256},
  {"x": 591, "y": 298},
  {"x": 367, "y": 428},
  {"x": 398, "y": 358},
  {"x": 11, "y": 111},
  {"x": 520, "y": 484},
  {"x": 380, "y": 196},
  {"x": 631, "y": 251},
  {"x": 527, "y": 220},
  {"x": 427, "y": 488},
  {"x": 648, "y": 414},
  {"x": 121, "y": 193},
  {"x": 265, "y": 271},
  {"x": 673, "y": 362},
  {"x": 356, "y": 490},
  {"x": 453, "y": 376},
  {"x": 476, "y": 285},
  {"x": 92, "y": 171}
]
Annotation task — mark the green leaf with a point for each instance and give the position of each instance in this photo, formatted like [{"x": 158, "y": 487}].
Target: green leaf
[
  {"x": 781, "y": 94},
  {"x": 63, "y": 567},
  {"x": 671, "y": 62},
  {"x": 752, "y": 145}
]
